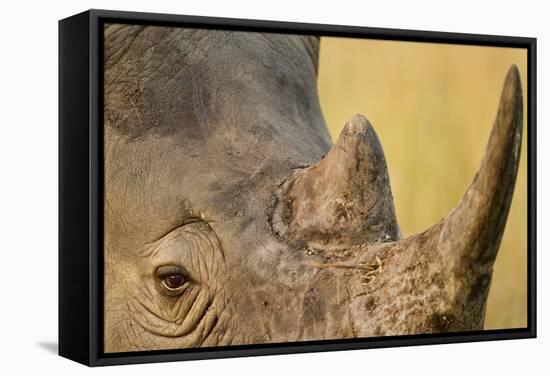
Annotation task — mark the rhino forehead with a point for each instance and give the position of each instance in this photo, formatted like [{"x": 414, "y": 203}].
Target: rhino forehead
[{"x": 203, "y": 85}]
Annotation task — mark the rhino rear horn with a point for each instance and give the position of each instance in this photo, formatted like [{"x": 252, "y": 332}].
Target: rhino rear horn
[{"x": 346, "y": 198}]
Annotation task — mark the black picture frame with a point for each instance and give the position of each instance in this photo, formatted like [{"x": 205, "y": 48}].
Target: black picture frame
[{"x": 81, "y": 186}]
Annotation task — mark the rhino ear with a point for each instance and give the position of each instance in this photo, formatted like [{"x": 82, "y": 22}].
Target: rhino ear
[{"x": 343, "y": 200}]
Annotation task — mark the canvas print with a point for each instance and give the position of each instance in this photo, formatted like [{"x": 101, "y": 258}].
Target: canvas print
[{"x": 264, "y": 188}]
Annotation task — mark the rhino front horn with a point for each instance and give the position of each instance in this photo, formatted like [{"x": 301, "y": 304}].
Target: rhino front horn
[
  {"x": 343, "y": 200},
  {"x": 471, "y": 233}
]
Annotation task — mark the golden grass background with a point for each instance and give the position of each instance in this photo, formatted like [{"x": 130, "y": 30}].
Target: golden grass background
[{"x": 433, "y": 107}]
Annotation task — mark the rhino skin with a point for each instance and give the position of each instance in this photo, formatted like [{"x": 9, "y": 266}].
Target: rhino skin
[{"x": 230, "y": 218}]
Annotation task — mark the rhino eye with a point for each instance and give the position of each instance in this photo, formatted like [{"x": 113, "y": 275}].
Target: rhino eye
[
  {"x": 174, "y": 281},
  {"x": 172, "y": 278}
]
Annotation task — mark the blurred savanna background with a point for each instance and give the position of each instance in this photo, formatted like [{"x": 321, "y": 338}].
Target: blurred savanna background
[{"x": 433, "y": 106}]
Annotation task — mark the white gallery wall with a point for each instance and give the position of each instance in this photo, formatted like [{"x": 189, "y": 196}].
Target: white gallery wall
[{"x": 28, "y": 186}]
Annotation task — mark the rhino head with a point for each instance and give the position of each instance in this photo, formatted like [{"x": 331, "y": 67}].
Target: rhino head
[{"x": 230, "y": 218}]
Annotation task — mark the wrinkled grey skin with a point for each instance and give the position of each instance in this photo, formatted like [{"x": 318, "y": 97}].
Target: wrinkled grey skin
[{"x": 214, "y": 147}]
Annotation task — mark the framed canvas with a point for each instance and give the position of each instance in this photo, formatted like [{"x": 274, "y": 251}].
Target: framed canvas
[{"x": 239, "y": 187}]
